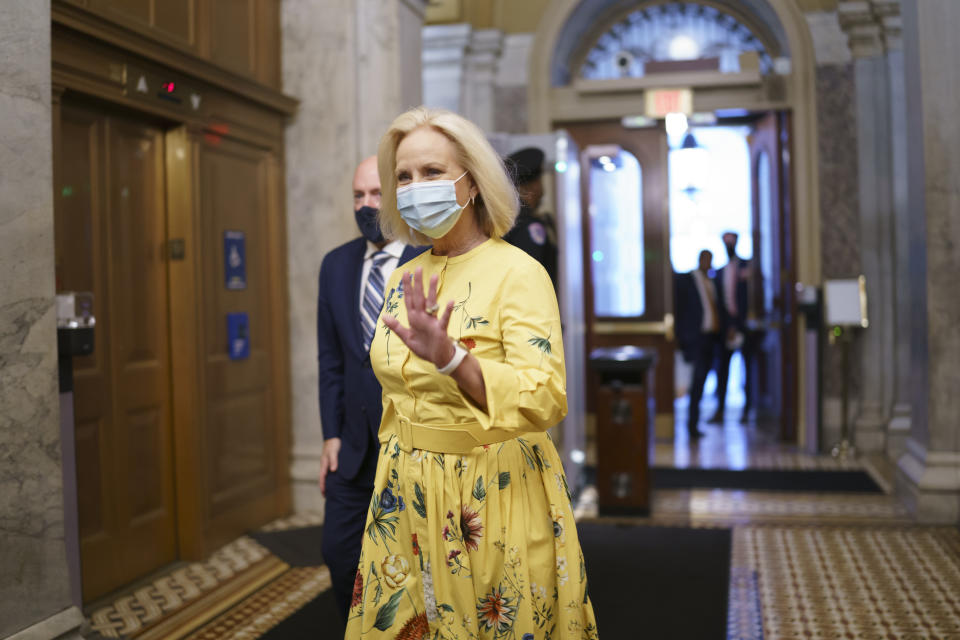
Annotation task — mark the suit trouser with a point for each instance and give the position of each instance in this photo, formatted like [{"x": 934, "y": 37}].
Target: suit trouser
[
  {"x": 706, "y": 352},
  {"x": 723, "y": 374},
  {"x": 345, "y": 513}
]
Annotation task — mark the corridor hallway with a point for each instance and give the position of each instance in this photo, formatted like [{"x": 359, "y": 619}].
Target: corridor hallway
[{"x": 801, "y": 565}]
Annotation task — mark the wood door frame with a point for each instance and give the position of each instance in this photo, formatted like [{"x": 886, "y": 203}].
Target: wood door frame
[
  {"x": 775, "y": 139},
  {"x": 644, "y": 331}
]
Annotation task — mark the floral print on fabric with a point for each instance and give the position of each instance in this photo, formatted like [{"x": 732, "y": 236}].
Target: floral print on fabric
[{"x": 522, "y": 588}]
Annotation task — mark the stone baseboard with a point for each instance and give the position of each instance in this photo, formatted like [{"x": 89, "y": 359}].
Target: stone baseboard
[
  {"x": 65, "y": 625},
  {"x": 928, "y": 483},
  {"x": 304, "y": 475},
  {"x": 898, "y": 431}
]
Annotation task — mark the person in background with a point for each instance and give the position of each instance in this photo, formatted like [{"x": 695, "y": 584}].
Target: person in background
[
  {"x": 732, "y": 286},
  {"x": 698, "y": 330},
  {"x": 471, "y": 506},
  {"x": 350, "y": 296},
  {"x": 534, "y": 232}
]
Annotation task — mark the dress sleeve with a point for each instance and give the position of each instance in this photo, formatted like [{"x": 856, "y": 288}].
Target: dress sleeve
[{"x": 527, "y": 390}]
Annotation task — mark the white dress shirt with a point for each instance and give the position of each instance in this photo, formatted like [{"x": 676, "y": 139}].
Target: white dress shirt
[{"x": 395, "y": 249}]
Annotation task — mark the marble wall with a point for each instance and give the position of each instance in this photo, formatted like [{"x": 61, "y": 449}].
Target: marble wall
[
  {"x": 33, "y": 571},
  {"x": 510, "y": 89},
  {"x": 839, "y": 220},
  {"x": 354, "y": 66},
  {"x": 929, "y": 479}
]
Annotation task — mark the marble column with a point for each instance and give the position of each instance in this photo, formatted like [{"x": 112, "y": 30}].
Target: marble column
[
  {"x": 510, "y": 103},
  {"x": 354, "y": 66},
  {"x": 480, "y": 74},
  {"x": 388, "y": 37},
  {"x": 479, "y": 103},
  {"x": 875, "y": 177},
  {"x": 35, "y": 596},
  {"x": 898, "y": 428},
  {"x": 444, "y": 65},
  {"x": 929, "y": 472}
]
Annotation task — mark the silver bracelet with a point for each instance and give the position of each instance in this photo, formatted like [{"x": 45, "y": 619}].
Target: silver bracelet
[{"x": 459, "y": 353}]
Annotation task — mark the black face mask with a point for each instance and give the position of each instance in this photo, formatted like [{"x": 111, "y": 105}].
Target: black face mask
[{"x": 367, "y": 222}]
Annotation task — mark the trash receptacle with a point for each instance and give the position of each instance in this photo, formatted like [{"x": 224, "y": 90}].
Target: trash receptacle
[{"x": 625, "y": 405}]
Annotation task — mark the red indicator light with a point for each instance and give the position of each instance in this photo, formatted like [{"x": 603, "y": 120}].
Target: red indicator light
[{"x": 169, "y": 87}]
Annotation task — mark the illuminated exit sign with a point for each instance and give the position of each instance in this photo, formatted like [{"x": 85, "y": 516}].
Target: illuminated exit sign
[{"x": 660, "y": 102}]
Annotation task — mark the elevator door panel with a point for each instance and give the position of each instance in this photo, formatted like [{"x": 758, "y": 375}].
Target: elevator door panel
[
  {"x": 110, "y": 232},
  {"x": 242, "y": 430}
]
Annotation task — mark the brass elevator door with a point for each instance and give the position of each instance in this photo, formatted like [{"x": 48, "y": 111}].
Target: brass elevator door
[{"x": 110, "y": 234}]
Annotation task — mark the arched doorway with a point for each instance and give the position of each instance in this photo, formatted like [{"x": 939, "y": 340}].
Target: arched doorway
[{"x": 585, "y": 78}]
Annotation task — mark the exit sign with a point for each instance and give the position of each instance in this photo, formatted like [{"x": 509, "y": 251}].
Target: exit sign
[{"x": 660, "y": 102}]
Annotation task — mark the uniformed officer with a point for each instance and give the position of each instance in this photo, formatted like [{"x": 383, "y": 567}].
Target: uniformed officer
[{"x": 533, "y": 232}]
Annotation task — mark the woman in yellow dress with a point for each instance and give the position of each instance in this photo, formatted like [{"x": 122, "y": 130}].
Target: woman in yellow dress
[{"x": 470, "y": 532}]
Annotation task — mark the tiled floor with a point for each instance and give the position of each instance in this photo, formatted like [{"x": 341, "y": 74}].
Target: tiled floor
[
  {"x": 821, "y": 581},
  {"x": 817, "y": 565},
  {"x": 803, "y": 565}
]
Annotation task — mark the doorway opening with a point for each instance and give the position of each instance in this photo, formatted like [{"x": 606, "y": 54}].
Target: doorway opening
[
  {"x": 710, "y": 195},
  {"x": 653, "y": 198}
]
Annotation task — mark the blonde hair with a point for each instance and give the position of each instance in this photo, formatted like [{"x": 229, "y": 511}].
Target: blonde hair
[{"x": 496, "y": 205}]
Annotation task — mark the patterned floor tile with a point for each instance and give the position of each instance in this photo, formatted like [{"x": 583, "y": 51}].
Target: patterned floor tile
[
  {"x": 135, "y": 611},
  {"x": 268, "y": 607},
  {"x": 745, "y": 617},
  {"x": 821, "y": 581}
]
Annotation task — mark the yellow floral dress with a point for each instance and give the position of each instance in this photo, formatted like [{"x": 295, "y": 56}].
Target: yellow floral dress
[{"x": 470, "y": 532}]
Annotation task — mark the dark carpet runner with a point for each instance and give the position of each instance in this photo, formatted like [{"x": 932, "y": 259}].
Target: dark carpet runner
[
  {"x": 765, "y": 480},
  {"x": 645, "y": 582}
]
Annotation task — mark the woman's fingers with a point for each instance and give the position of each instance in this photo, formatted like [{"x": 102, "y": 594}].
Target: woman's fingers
[
  {"x": 445, "y": 316},
  {"x": 394, "y": 325},
  {"x": 409, "y": 299},
  {"x": 417, "y": 292},
  {"x": 431, "y": 302}
]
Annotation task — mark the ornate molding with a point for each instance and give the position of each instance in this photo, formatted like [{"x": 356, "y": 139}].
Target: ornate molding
[
  {"x": 888, "y": 12},
  {"x": 81, "y": 21},
  {"x": 873, "y": 27},
  {"x": 859, "y": 22}
]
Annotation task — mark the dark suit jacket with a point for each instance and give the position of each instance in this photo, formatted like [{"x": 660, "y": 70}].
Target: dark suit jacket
[
  {"x": 350, "y": 401},
  {"x": 689, "y": 310},
  {"x": 739, "y": 321},
  {"x": 530, "y": 234}
]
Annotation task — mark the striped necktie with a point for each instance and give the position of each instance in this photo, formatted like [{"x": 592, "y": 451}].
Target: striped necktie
[{"x": 372, "y": 298}]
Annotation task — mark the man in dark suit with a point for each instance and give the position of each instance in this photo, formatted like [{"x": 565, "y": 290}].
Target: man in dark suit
[
  {"x": 352, "y": 278},
  {"x": 732, "y": 285},
  {"x": 698, "y": 330},
  {"x": 534, "y": 232}
]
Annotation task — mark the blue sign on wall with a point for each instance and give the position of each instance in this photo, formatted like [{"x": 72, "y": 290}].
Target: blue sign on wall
[
  {"x": 235, "y": 259},
  {"x": 238, "y": 336}
]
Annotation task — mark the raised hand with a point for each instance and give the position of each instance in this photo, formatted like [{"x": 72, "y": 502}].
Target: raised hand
[{"x": 427, "y": 334}]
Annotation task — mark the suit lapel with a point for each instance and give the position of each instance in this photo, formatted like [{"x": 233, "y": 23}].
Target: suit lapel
[
  {"x": 355, "y": 295},
  {"x": 409, "y": 253}
]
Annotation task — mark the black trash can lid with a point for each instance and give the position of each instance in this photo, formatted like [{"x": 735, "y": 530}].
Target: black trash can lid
[{"x": 623, "y": 358}]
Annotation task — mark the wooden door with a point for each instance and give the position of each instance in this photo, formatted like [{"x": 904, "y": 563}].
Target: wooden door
[
  {"x": 651, "y": 326},
  {"x": 110, "y": 233},
  {"x": 772, "y": 298},
  {"x": 243, "y": 412}
]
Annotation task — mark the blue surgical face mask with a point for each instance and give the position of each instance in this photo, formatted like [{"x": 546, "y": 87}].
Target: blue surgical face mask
[{"x": 430, "y": 207}]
